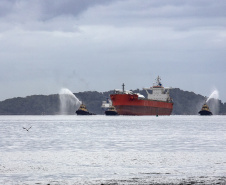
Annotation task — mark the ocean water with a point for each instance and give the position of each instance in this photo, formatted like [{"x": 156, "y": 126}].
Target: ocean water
[{"x": 112, "y": 149}]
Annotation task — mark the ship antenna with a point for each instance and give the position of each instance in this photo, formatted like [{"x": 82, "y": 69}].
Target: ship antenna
[
  {"x": 158, "y": 81},
  {"x": 123, "y": 87}
]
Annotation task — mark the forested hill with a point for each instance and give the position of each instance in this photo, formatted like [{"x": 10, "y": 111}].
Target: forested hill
[{"x": 185, "y": 103}]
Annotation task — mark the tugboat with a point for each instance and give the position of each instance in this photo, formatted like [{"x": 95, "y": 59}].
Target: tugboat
[
  {"x": 111, "y": 111},
  {"x": 83, "y": 110},
  {"x": 108, "y": 108},
  {"x": 205, "y": 111}
]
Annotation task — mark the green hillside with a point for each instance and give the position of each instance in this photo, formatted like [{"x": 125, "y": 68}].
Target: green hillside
[{"x": 185, "y": 103}]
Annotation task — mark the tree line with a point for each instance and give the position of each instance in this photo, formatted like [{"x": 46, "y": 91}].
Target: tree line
[{"x": 185, "y": 103}]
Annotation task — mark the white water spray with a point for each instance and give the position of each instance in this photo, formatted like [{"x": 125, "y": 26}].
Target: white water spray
[
  {"x": 69, "y": 103},
  {"x": 214, "y": 94},
  {"x": 214, "y": 102}
]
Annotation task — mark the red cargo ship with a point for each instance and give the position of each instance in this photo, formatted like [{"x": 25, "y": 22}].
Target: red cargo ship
[{"x": 158, "y": 101}]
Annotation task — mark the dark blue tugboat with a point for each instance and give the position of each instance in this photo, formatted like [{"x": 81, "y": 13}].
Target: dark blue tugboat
[
  {"x": 205, "y": 111},
  {"x": 111, "y": 111},
  {"x": 83, "y": 110}
]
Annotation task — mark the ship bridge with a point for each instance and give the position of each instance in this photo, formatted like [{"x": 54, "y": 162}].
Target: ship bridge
[{"x": 159, "y": 93}]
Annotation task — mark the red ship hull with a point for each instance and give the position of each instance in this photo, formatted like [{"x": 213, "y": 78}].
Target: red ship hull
[{"x": 129, "y": 104}]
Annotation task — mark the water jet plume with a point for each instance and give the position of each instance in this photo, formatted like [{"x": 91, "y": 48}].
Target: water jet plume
[
  {"x": 214, "y": 94},
  {"x": 69, "y": 103},
  {"x": 213, "y": 102}
]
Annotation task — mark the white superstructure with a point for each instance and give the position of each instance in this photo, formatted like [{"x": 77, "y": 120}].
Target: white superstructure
[
  {"x": 106, "y": 104},
  {"x": 159, "y": 93}
]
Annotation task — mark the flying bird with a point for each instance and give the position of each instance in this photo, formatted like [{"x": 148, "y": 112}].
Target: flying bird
[{"x": 27, "y": 129}]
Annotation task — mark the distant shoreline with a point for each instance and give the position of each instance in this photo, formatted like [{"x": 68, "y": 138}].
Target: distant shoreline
[{"x": 185, "y": 103}]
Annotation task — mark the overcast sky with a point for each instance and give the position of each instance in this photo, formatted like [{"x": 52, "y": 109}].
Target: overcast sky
[{"x": 87, "y": 45}]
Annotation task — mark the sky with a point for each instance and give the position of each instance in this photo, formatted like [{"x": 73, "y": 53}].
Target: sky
[{"x": 96, "y": 45}]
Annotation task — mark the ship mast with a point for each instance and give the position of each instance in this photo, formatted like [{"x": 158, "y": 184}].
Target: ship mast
[{"x": 123, "y": 87}]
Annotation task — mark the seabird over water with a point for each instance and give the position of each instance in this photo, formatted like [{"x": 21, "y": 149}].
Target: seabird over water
[{"x": 27, "y": 129}]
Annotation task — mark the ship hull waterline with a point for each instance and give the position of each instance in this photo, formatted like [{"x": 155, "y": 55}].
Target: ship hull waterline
[
  {"x": 142, "y": 111},
  {"x": 111, "y": 113},
  {"x": 130, "y": 105},
  {"x": 83, "y": 113},
  {"x": 205, "y": 113}
]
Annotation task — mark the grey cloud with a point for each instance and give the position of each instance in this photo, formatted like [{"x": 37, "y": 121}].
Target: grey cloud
[
  {"x": 44, "y": 14},
  {"x": 174, "y": 14},
  {"x": 51, "y": 42},
  {"x": 51, "y": 15},
  {"x": 68, "y": 7},
  {"x": 177, "y": 8},
  {"x": 6, "y": 4},
  {"x": 48, "y": 9},
  {"x": 6, "y": 7}
]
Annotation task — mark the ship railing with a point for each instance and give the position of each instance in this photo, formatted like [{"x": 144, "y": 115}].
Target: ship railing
[
  {"x": 128, "y": 92},
  {"x": 119, "y": 91}
]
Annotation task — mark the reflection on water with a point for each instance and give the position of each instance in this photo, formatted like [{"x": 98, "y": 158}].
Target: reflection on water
[{"x": 97, "y": 149}]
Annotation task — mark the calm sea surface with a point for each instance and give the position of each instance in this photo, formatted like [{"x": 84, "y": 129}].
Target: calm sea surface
[{"x": 117, "y": 149}]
